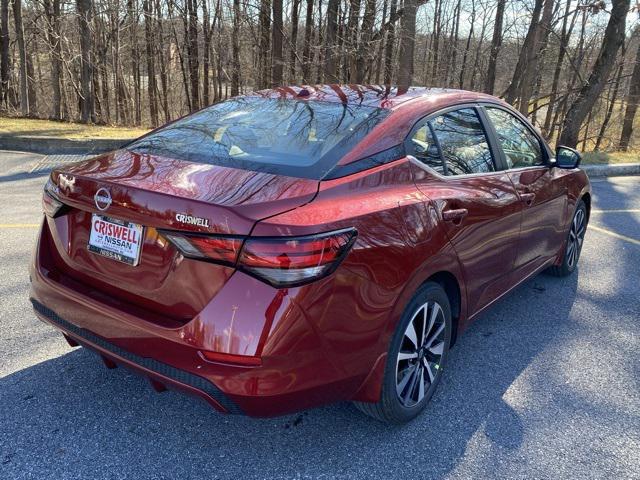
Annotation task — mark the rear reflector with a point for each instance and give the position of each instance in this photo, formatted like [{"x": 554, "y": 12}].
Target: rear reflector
[
  {"x": 278, "y": 261},
  {"x": 230, "y": 358}
]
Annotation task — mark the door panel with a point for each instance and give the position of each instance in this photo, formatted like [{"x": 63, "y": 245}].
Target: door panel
[
  {"x": 544, "y": 198},
  {"x": 486, "y": 236}
]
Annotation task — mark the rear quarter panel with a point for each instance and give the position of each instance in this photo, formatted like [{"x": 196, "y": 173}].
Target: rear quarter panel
[{"x": 400, "y": 244}]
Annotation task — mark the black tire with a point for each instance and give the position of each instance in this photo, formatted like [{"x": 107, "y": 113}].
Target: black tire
[
  {"x": 391, "y": 408},
  {"x": 573, "y": 244}
]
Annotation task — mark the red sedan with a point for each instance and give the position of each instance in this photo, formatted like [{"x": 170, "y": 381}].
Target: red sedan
[{"x": 305, "y": 245}]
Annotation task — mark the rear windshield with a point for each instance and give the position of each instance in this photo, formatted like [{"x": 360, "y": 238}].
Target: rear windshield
[{"x": 286, "y": 137}]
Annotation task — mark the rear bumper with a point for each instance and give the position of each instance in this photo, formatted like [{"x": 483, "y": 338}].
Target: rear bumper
[{"x": 155, "y": 370}]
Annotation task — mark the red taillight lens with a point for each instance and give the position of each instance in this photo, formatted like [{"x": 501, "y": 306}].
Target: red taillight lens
[
  {"x": 51, "y": 206},
  {"x": 278, "y": 261},
  {"x": 284, "y": 262},
  {"x": 222, "y": 250}
]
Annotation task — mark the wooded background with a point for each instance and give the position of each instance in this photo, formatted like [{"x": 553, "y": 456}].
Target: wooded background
[{"x": 572, "y": 66}]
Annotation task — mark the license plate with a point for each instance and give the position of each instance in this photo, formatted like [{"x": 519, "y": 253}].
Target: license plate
[{"x": 116, "y": 239}]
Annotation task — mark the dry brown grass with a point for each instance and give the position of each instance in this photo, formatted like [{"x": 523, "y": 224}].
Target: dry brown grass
[{"x": 27, "y": 127}]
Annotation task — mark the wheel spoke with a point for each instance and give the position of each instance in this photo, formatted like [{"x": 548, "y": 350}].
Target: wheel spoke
[
  {"x": 407, "y": 355},
  {"x": 423, "y": 337},
  {"x": 437, "y": 349},
  {"x": 411, "y": 335},
  {"x": 435, "y": 311},
  {"x": 403, "y": 383},
  {"x": 429, "y": 371},
  {"x": 412, "y": 386},
  {"x": 421, "y": 386},
  {"x": 435, "y": 334}
]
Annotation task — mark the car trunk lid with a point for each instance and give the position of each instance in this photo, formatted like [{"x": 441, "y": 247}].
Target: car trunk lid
[{"x": 161, "y": 193}]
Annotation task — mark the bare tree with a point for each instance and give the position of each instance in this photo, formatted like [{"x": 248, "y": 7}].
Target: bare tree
[
  {"x": 496, "y": 43},
  {"x": 22, "y": 56},
  {"x": 633, "y": 99},
  {"x": 277, "y": 58},
  {"x": 590, "y": 91},
  {"x": 85, "y": 9}
]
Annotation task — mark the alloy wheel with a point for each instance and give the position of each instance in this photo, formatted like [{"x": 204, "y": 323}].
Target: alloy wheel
[
  {"x": 420, "y": 355},
  {"x": 576, "y": 237}
]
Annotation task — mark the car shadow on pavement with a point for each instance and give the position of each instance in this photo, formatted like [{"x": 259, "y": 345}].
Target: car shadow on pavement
[{"x": 69, "y": 416}]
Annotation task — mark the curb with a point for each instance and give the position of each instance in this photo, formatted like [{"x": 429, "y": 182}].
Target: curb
[
  {"x": 48, "y": 145},
  {"x": 614, "y": 170}
]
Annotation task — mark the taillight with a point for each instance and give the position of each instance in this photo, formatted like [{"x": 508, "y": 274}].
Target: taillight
[
  {"x": 278, "y": 261},
  {"x": 51, "y": 205},
  {"x": 218, "y": 249}
]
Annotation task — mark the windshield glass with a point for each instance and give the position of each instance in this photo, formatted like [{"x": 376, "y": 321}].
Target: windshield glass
[{"x": 286, "y": 137}]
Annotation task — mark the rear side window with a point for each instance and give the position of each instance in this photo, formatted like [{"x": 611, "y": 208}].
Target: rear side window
[
  {"x": 285, "y": 137},
  {"x": 426, "y": 149},
  {"x": 520, "y": 146},
  {"x": 463, "y": 144}
]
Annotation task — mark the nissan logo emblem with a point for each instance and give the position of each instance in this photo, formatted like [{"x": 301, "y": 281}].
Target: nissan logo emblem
[{"x": 102, "y": 199}]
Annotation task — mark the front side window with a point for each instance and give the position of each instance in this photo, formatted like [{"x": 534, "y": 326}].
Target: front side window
[
  {"x": 280, "y": 136},
  {"x": 520, "y": 146},
  {"x": 463, "y": 144}
]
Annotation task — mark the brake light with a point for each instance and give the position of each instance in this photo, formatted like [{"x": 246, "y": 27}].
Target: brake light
[
  {"x": 51, "y": 205},
  {"x": 218, "y": 249},
  {"x": 278, "y": 261}
]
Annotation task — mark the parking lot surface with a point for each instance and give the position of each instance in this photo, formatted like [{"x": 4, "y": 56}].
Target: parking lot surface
[{"x": 545, "y": 384}]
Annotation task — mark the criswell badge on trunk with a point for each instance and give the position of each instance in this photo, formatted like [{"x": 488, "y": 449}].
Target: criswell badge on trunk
[{"x": 192, "y": 220}]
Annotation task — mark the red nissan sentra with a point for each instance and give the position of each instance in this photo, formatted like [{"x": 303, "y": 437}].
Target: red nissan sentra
[{"x": 306, "y": 245}]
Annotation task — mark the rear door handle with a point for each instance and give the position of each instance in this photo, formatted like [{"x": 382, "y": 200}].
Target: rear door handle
[
  {"x": 455, "y": 216},
  {"x": 528, "y": 198}
]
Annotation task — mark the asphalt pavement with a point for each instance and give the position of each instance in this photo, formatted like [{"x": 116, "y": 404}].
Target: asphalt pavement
[{"x": 546, "y": 384}]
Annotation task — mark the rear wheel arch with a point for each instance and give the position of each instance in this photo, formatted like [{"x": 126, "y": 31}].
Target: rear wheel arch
[
  {"x": 451, "y": 286},
  {"x": 586, "y": 198}
]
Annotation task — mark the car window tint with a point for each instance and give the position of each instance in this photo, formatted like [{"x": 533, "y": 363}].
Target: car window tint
[
  {"x": 286, "y": 137},
  {"x": 425, "y": 148},
  {"x": 463, "y": 142},
  {"x": 520, "y": 146}
]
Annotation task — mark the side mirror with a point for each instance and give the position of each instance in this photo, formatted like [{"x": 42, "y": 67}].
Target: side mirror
[{"x": 567, "y": 157}]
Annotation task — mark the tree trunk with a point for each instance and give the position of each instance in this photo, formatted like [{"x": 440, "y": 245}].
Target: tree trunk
[
  {"x": 295, "y": 13},
  {"x": 84, "y": 8},
  {"x": 407, "y": 44},
  {"x": 22, "y": 54},
  {"x": 330, "y": 55},
  {"x": 613, "y": 97},
  {"x": 52, "y": 11},
  {"x": 564, "y": 43},
  {"x": 235, "y": 41},
  {"x": 206, "y": 47},
  {"x": 4, "y": 54},
  {"x": 151, "y": 64},
  {"x": 307, "y": 57},
  {"x": 277, "y": 59},
  {"x": 363, "y": 52},
  {"x": 590, "y": 91},
  {"x": 353, "y": 31},
  {"x": 391, "y": 40},
  {"x": 132, "y": 8},
  {"x": 633, "y": 100},
  {"x": 265, "y": 45},
  {"x": 192, "y": 53},
  {"x": 531, "y": 68},
  {"x": 496, "y": 43},
  {"x": 525, "y": 54}
]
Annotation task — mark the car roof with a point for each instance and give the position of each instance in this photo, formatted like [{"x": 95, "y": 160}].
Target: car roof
[{"x": 380, "y": 96}]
